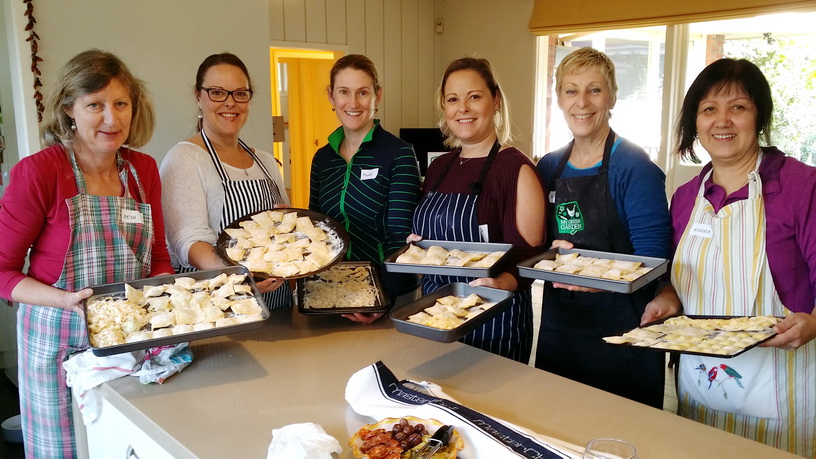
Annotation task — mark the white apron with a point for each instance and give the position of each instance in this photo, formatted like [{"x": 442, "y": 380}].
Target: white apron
[{"x": 721, "y": 268}]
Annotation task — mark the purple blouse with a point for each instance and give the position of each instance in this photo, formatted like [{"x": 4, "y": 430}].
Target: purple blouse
[{"x": 789, "y": 192}]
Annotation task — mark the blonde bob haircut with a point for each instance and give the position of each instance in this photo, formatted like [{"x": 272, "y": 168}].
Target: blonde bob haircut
[
  {"x": 501, "y": 118},
  {"x": 87, "y": 73},
  {"x": 584, "y": 59}
]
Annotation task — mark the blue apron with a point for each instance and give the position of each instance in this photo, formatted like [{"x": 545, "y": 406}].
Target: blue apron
[
  {"x": 452, "y": 217},
  {"x": 573, "y": 324}
]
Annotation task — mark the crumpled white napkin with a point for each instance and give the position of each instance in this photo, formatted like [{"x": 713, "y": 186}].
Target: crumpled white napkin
[
  {"x": 302, "y": 441},
  {"x": 85, "y": 371}
]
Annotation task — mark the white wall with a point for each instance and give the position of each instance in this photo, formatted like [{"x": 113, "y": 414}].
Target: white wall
[
  {"x": 163, "y": 42},
  {"x": 496, "y": 31}
]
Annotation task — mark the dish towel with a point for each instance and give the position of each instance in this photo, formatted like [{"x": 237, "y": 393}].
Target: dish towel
[
  {"x": 302, "y": 441},
  {"x": 85, "y": 371},
  {"x": 374, "y": 391},
  {"x": 161, "y": 362}
]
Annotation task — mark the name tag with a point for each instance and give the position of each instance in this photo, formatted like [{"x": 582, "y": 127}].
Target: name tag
[
  {"x": 132, "y": 217},
  {"x": 484, "y": 233},
  {"x": 701, "y": 230},
  {"x": 368, "y": 174}
]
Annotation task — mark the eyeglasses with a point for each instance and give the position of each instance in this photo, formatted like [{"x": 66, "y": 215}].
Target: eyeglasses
[{"x": 220, "y": 94}]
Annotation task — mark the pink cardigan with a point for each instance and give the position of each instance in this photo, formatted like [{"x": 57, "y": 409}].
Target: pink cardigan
[{"x": 33, "y": 215}]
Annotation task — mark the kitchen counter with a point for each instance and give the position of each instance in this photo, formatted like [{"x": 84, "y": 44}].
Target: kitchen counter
[{"x": 294, "y": 369}]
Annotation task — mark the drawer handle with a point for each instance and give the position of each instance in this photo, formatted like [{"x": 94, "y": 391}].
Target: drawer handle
[{"x": 131, "y": 453}]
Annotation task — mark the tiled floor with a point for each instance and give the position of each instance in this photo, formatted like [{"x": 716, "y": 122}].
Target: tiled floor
[{"x": 669, "y": 394}]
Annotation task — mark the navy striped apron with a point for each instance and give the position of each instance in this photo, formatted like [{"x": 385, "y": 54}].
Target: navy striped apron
[
  {"x": 243, "y": 197},
  {"x": 452, "y": 217}
]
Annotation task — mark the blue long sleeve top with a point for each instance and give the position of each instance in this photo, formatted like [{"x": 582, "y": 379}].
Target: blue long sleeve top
[{"x": 638, "y": 187}]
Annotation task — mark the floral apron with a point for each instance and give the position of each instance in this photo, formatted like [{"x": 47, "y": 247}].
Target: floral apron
[
  {"x": 453, "y": 217},
  {"x": 111, "y": 241},
  {"x": 721, "y": 268}
]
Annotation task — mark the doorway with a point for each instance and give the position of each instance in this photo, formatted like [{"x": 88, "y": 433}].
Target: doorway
[{"x": 299, "y": 80}]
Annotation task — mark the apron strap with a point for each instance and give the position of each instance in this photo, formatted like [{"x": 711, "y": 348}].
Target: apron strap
[{"x": 609, "y": 145}]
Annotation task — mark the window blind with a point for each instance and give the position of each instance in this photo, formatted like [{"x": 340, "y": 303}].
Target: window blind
[{"x": 550, "y": 17}]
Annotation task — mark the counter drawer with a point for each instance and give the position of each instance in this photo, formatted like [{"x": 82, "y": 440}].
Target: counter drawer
[{"x": 113, "y": 435}]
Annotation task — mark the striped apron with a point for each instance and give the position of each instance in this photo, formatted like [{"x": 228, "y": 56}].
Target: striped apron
[
  {"x": 452, "y": 217},
  {"x": 721, "y": 268},
  {"x": 244, "y": 197},
  {"x": 111, "y": 241}
]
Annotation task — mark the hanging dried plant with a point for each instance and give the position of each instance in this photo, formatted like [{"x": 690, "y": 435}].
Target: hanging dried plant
[{"x": 35, "y": 59}]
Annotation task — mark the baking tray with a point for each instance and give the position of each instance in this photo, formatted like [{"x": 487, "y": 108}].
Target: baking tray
[
  {"x": 381, "y": 301},
  {"x": 118, "y": 290},
  {"x": 400, "y": 316},
  {"x": 658, "y": 265},
  {"x": 225, "y": 239},
  {"x": 704, "y": 354},
  {"x": 391, "y": 264}
]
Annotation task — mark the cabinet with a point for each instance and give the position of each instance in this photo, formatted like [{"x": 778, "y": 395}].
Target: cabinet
[{"x": 113, "y": 435}]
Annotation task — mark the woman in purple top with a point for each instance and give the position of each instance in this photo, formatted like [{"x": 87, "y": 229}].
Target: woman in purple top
[{"x": 745, "y": 237}]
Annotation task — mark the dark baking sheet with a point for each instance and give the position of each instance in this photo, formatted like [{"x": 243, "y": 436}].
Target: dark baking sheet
[
  {"x": 118, "y": 290},
  {"x": 400, "y": 316},
  {"x": 704, "y": 354},
  {"x": 658, "y": 265},
  {"x": 391, "y": 264},
  {"x": 224, "y": 239},
  {"x": 381, "y": 300}
]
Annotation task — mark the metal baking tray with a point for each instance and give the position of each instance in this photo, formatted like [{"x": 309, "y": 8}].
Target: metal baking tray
[
  {"x": 400, "y": 316},
  {"x": 118, "y": 290},
  {"x": 704, "y": 354},
  {"x": 391, "y": 264},
  {"x": 224, "y": 239},
  {"x": 380, "y": 301},
  {"x": 658, "y": 265}
]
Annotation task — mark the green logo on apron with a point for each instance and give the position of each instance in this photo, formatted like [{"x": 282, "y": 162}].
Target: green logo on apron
[{"x": 569, "y": 217}]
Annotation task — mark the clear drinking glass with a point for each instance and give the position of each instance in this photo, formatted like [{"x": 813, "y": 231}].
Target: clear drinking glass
[{"x": 609, "y": 448}]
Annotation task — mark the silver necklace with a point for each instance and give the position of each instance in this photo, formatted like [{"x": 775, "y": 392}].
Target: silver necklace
[{"x": 464, "y": 160}]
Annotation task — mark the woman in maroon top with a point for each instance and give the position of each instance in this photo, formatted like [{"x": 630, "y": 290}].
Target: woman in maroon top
[{"x": 483, "y": 191}]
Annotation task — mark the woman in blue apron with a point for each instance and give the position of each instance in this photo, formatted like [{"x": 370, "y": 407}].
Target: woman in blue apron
[
  {"x": 482, "y": 193},
  {"x": 89, "y": 210},
  {"x": 605, "y": 194},
  {"x": 745, "y": 235},
  {"x": 213, "y": 178}
]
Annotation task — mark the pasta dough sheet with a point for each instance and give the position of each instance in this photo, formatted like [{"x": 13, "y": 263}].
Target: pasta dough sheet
[
  {"x": 341, "y": 287},
  {"x": 714, "y": 336}
]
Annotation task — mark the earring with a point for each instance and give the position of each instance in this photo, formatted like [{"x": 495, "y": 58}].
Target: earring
[
  {"x": 200, "y": 115},
  {"x": 376, "y": 110},
  {"x": 333, "y": 109},
  {"x": 73, "y": 125}
]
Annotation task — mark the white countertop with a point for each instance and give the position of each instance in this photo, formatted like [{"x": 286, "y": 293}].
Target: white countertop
[{"x": 294, "y": 369}]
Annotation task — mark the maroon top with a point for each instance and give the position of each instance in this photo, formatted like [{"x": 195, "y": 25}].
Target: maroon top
[
  {"x": 789, "y": 192},
  {"x": 33, "y": 214},
  {"x": 496, "y": 206}
]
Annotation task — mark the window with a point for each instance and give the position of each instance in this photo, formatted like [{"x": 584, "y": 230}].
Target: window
[{"x": 782, "y": 45}]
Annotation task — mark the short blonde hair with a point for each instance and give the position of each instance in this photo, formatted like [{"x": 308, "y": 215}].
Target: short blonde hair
[
  {"x": 87, "y": 73},
  {"x": 501, "y": 119},
  {"x": 588, "y": 58}
]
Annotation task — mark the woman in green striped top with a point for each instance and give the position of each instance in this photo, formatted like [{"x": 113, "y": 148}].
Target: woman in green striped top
[{"x": 365, "y": 177}]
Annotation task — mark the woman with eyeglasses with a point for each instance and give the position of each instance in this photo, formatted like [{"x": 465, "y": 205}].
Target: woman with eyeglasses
[{"x": 213, "y": 178}]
